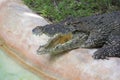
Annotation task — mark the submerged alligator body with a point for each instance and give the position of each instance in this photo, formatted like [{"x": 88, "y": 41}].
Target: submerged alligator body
[{"x": 97, "y": 31}]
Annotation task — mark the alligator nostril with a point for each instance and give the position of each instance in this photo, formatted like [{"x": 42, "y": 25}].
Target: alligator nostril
[
  {"x": 37, "y": 30},
  {"x": 33, "y": 30}
]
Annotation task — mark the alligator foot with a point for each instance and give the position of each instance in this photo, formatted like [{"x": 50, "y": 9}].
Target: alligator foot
[{"x": 108, "y": 51}]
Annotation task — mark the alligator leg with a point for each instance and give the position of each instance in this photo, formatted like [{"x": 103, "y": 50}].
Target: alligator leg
[
  {"x": 111, "y": 49},
  {"x": 108, "y": 51}
]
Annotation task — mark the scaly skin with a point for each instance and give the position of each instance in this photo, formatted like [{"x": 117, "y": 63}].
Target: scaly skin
[
  {"x": 99, "y": 27},
  {"x": 97, "y": 31},
  {"x": 111, "y": 48}
]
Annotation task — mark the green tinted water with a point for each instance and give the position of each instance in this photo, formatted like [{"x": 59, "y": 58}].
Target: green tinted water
[{"x": 9, "y": 70}]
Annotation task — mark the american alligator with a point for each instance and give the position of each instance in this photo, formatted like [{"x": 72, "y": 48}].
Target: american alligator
[{"x": 97, "y": 31}]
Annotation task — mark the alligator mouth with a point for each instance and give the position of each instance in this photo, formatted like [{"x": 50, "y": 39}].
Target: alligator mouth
[{"x": 60, "y": 39}]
